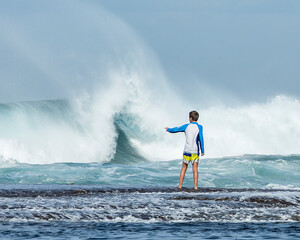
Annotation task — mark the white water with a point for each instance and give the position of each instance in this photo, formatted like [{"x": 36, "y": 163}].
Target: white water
[
  {"x": 36, "y": 137},
  {"x": 272, "y": 127}
]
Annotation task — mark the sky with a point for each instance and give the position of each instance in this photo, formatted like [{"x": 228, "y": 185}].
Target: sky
[{"x": 247, "y": 50}]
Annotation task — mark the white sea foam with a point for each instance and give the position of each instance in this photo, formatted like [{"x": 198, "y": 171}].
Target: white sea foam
[
  {"x": 8, "y": 163},
  {"x": 280, "y": 186},
  {"x": 114, "y": 206}
]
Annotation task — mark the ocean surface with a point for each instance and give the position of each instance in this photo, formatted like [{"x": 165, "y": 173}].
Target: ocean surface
[
  {"x": 127, "y": 194},
  {"x": 89, "y": 157}
]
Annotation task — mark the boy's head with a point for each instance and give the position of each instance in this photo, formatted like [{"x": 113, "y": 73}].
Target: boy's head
[{"x": 194, "y": 115}]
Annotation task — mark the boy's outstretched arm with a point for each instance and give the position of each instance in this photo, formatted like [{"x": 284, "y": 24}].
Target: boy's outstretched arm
[{"x": 177, "y": 129}]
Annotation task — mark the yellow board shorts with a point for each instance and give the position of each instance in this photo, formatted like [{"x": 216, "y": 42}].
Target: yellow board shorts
[{"x": 190, "y": 158}]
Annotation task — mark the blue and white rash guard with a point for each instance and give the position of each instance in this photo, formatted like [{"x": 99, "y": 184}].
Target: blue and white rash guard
[{"x": 194, "y": 137}]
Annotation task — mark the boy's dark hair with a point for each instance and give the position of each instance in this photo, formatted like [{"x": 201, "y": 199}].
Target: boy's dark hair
[{"x": 194, "y": 115}]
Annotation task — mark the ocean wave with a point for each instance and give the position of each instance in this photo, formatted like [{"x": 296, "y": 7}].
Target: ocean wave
[{"x": 56, "y": 131}]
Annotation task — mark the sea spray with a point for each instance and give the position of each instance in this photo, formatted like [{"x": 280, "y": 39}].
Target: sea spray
[
  {"x": 96, "y": 76},
  {"x": 107, "y": 77},
  {"x": 272, "y": 127}
]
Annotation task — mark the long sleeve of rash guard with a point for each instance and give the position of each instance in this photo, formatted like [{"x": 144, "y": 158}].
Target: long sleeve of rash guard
[{"x": 178, "y": 129}]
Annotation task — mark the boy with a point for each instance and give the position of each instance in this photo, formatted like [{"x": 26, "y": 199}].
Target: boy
[{"x": 194, "y": 141}]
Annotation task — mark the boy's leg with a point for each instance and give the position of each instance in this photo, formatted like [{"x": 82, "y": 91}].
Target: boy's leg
[
  {"x": 195, "y": 171},
  {"x": 182, "y": 173}
]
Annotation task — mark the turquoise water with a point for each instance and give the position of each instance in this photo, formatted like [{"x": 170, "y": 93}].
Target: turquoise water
[{"x": 247, "y": 171}]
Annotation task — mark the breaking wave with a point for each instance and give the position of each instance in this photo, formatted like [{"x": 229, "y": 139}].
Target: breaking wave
[{"x": 55, "y": 131}]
